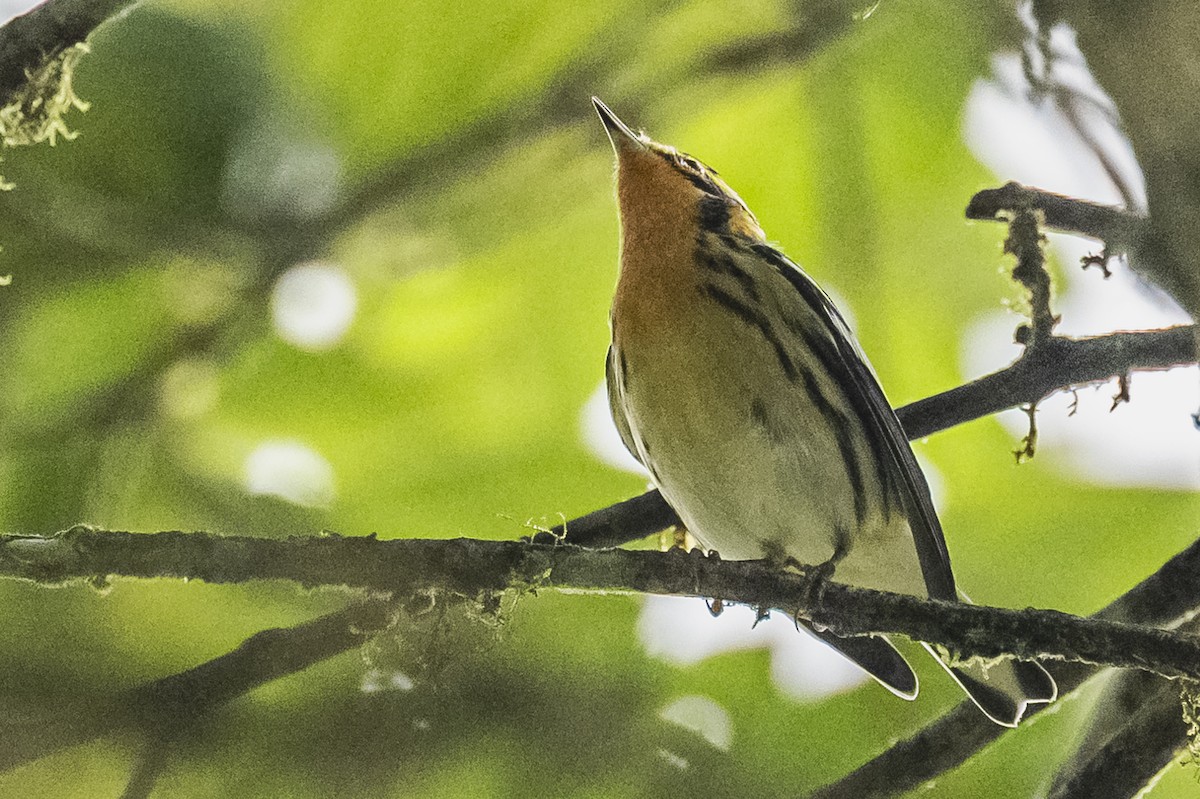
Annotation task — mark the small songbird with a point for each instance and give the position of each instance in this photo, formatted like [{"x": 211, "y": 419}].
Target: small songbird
[{"x": 737, "y": 384}]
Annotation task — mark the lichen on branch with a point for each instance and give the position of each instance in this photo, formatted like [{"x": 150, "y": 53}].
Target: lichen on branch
[
  {"x": 1026, "y": 241},
  {"x": 475, "y": 569},
  {"x": 35, "y": 112}
]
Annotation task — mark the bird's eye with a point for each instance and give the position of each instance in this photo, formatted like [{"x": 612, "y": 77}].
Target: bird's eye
[{"x": 690, "y": 163}]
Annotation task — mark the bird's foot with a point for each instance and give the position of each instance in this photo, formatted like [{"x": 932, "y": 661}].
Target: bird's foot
[{"x": 818, "y": 577}]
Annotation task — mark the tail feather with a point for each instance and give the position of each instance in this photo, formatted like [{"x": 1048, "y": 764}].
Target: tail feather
[
  {"x": 875, "y": 655},
  {"x": 1002, "y": 690}
]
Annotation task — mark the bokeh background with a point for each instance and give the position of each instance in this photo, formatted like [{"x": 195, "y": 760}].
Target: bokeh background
[{"x": 314, "y": 266}]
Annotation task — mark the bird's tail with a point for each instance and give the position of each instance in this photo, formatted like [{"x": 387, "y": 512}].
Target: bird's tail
[
  {"x": 875, "y": 655},
  {"x": 1002, "y": 689}
]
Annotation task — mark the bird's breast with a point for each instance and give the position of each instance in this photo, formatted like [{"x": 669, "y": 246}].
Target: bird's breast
[
  {"x": 734, "y": 416},
  {"x": 658, "y": 278}
]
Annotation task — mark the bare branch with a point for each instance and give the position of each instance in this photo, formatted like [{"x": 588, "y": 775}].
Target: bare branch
[
  {"x": 1121, "y": 230},
  {"x": 1122, "y": 696},
  {"x": 1149, "y": 741},
  {"x": 617, "y": 524},
  {"x": 174, "y": 701}
]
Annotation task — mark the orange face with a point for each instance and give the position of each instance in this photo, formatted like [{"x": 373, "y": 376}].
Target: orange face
[
  {"x": 668, "y": 202},
  {"x": 660, "y": 188}
]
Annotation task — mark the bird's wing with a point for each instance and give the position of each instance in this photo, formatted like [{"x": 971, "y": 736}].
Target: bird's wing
[
  {"x": 877, "y": 416},
  {"x": 616, "y": 408}
]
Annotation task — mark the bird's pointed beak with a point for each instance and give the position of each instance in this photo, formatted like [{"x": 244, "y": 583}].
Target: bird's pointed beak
[{"x": 623, "y": 139}]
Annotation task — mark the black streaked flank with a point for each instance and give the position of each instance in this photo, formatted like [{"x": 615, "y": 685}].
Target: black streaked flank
[
  {"x": 824, "y": 349},
  {"x": 836, "y": 420},
  {"x": 833, "y": 417},
  {"x": 897, "y": 466},
  {"x": 838, "y": 365},
  {"x": 715, "y": 259},
  {"x": 854, "y": 472},
  {"x": 841, "y": 425},
  {"x": 751, "y": 317}
]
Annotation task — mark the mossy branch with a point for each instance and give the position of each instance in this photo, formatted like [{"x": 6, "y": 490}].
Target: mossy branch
[
  {"x": 475, "y": 569},
  {"x": 273, "y": 653}
]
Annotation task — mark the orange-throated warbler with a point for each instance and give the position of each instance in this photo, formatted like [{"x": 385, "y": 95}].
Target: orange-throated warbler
[{"x": 735, "y": 381}]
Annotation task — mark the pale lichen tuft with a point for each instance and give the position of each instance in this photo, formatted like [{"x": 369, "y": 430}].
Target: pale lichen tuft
[
  {"x": 1189, "y": 694},
  {"x": 35, "y": 112}
]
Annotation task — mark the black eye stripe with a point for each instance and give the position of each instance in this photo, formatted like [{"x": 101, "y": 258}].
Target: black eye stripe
[
  {"x": 680, "y": 161},
  {"x": 690, "y": 168},
  {"x": 666, "y": 156},
  {"x": 703, "y": 183}
]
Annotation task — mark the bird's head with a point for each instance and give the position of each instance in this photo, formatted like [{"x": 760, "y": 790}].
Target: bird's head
[{"x": 659, "y": 186}]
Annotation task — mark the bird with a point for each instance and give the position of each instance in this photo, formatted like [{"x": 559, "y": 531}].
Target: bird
[{"x": 736, "y": 382}]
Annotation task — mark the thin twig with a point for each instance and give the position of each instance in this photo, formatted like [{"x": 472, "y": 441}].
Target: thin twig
[{"x": 1028, "y": 446}]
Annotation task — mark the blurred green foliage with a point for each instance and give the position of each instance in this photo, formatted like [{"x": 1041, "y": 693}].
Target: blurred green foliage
[{"x": 466, "y": 189}]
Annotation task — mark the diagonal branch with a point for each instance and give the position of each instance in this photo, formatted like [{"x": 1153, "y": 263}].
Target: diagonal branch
[
  {"x": 1149, "y": 734},
  {"x": 1162, "y": 599},
  {"x": 1056, "y": 364},
  {"x": 168, "y": 703}
]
